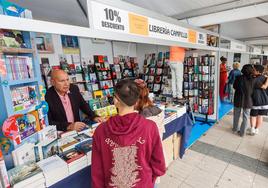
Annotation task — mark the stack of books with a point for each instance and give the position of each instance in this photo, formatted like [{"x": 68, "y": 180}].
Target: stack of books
[
  {"x": 76, "y": 160},
  {"x": 54, "y": 169},
  {"x": 86, "y": 148},
  {"x": 28, "y": 175},
  {"x": 170, "y": 115}
]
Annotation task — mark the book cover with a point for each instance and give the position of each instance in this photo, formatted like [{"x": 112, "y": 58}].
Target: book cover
[
  {"x": 104, "y": 102},
  {"x": 112, "y": 110},
  {"x": 98, "y": 94},
  {"x": 3, "y": 172},
  {"x": 93, "y": 77},
  {"x": 3, "y": 68},
  {"x": 95, "y": 87},
  {"x": 102, "y": 112},
  {"x": 23, "y": 172},
  {"x": 72, "y": 155},
  {"x": 85, "y": 146},
  {"x": 50, "y": 149},
  {"x": 44, "y": 43},
  {"x": 94, "y": 104},
  {"x": 26, "y": 125},
  {"x": 67, "y": 143},
  {"x": 81, "y": 137},
  {"x": 23, "y": 154}
]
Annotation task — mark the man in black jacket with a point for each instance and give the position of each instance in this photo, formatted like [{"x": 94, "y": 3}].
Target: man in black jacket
[{"x": 65, "y": 101}]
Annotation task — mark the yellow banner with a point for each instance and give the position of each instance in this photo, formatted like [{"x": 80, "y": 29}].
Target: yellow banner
[
  {"x": 138, "y": 24},
  {"x": 192, "y": 36}
]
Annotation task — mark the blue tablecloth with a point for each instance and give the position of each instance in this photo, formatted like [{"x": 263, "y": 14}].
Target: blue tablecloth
[
  {"x": 81, "y": 179},
  {"x": 182, "y": 125}
]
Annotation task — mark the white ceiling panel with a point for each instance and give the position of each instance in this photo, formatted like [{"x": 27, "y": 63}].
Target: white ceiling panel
[
  {"x": 61, "y": 11},
  {"x": 174, "y": 7},
  {"x": 243, "y": 29}
]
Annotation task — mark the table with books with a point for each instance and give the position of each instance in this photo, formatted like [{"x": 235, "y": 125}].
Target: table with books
[{"x": 71, "y": 166}]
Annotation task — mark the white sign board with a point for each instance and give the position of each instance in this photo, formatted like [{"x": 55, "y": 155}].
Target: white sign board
[
  {"x": 238, "y": 47},
  {"x": 256, "y": 50},
  {"x": 108, "y": 18}
]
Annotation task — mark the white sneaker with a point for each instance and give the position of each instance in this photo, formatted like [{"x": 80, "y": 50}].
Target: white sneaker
[
  {"x": 252, "y": 131},
  {"x": 249, "y": 130},
  {"x": 256, "y": 131}
]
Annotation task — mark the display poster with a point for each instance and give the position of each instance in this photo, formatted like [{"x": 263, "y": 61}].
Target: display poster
[
  {"x": 70, "y": 44},
  {"x": 44, "y": 43}
]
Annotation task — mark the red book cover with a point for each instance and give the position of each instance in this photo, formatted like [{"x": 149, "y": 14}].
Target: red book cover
[{"x": 72, "y": 155}]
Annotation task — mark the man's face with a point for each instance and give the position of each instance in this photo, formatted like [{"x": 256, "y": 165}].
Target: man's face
[{"x": 61, "y": 83}]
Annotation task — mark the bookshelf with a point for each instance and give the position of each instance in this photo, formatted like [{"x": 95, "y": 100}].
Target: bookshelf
[
  {"x": 156, "y": 71},
  {"x": 198, "y": 84},
  {"x": 20, "y": 75}
]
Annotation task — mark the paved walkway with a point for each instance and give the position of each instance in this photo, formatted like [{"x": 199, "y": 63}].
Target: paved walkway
[{"x": 222, "y": 159}]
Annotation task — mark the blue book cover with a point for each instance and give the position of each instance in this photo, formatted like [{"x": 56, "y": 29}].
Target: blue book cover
[
  {"x": 85, "y": 147},
  {"x": 50, "y": 149}
]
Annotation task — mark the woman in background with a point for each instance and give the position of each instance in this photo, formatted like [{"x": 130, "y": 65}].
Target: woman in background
[
  {"x": 232, "y": 76},
  {"x": 147, "y": 108},
  {"x": 243, "y": 86},
  {"x": 223, "y": 77}
]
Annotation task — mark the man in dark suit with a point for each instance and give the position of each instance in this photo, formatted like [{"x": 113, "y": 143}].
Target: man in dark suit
[{"x": 65, "y": 101}]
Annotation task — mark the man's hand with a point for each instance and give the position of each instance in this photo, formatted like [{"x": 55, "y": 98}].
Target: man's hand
[
  {"x": 99, "y": 119},
  {"x": 77, "y": 126}
]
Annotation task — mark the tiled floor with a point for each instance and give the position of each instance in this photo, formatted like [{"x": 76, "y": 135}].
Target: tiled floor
[{"x": 222, "y": 159}]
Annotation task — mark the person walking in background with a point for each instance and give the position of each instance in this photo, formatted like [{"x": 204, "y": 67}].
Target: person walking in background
[
  {"x": 223, "y": 77},
  {"x": 260, "y": 100},
  {"x": 243, "y": 86},
  {"x": 231, "y": 78},
  {"x": 176, "y": 60},
  {"x": 127, "y": 149}
]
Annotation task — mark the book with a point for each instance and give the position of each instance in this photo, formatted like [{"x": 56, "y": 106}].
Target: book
[
  {"x": 98, "y": 94},
  {"x": 72, "y": 155},
  {"x": 50, "y": 149},
  {"x": 54, "y": 169},
  {"x": 48, "y": 133},
  {"x": 4, "y": 181},
  {"x": 45, "y": 67},
  {"x": 23, "y": 154},
  {"x": 25, "y": 174},
  {"x": 102, "y": 112},
  {"x": 82, "y": 137},
  {"x": 28, "y": 124},
  {"x": 112, "y": 110},
  {"x": 94, "y": 104},
  {"x": 3, "y": 68},
  {"x": 85, "y": 146},
  {"x": 67, "y": 143}
]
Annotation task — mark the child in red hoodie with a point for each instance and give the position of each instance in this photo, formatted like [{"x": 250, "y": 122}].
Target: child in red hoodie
[{"x": 127, "y": 150}]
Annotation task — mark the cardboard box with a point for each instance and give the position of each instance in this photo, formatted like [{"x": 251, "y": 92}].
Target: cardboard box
[
  {"x": 168, "y": 150},
  {"x": 171, "y": 147},
  {"x": 176, "y": 145}
]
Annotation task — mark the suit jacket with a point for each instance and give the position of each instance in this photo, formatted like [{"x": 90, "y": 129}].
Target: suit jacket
[{"x": 56, "y": 113}]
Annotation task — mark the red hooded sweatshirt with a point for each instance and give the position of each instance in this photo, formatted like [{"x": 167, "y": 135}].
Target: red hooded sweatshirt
[{"x": 127, "y": 152}]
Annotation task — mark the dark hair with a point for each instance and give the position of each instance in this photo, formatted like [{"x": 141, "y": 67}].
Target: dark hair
[
  {"x": 127, "y": 91},
  {"x": 223, "y": 59},
  {"x": 247, "y": 70},
  {"x": 259, "y": 68}
]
